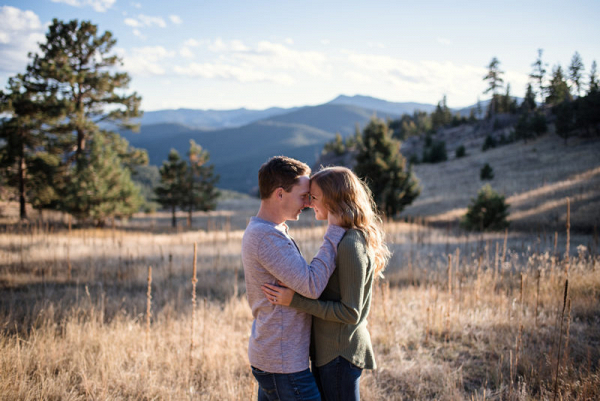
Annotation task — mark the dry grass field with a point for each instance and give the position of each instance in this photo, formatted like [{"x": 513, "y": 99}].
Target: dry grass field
[{"x": 457, "y": 317}]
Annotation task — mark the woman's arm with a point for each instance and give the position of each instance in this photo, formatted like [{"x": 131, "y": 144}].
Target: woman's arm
[{"x": 353, "y": 269}]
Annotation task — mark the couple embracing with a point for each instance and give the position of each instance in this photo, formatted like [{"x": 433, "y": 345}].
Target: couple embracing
[{"x": 321, "y": 306}]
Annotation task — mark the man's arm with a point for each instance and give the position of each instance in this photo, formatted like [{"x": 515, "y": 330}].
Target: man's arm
[{"x": 280, "y": 257}]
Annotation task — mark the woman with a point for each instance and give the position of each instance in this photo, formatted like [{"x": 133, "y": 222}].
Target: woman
[{"x": 342, "y": 344}]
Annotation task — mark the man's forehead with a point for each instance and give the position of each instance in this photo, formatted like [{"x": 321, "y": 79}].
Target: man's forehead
[{"x": 303, "y": 185}]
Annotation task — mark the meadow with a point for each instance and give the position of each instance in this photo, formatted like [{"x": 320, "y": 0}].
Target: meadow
[{"x": 116, "y": 313}]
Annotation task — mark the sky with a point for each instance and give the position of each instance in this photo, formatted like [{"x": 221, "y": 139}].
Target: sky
[{"x": 257, "y": 54}]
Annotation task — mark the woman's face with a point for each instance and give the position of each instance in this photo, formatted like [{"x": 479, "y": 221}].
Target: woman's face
[{"x": 316, "y": 202}]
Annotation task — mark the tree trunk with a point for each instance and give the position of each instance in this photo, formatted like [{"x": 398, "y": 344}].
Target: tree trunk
[
  {"x": 173, "y": 220},
  {"x": 22, "y": 205},
  {"x": 80, "y": 147}
]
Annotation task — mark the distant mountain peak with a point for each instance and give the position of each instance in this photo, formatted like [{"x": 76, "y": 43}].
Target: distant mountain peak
[{"x": 380, "y": 105}]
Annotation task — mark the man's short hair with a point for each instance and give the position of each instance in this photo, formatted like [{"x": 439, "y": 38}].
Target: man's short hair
[{"x": 280, "y": 171}]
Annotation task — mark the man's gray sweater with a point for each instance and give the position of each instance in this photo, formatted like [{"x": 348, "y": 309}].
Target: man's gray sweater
[{"x": 280, "y": 338}]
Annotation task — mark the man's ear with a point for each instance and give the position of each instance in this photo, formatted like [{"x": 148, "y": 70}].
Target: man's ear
[{"x": 279, "y": 193}]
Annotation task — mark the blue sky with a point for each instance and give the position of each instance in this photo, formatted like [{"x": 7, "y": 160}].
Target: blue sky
[{"x": 257, "y": 54}]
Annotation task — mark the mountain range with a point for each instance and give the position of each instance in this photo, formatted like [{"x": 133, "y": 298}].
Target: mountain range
[{"x": 240, "y": 140}]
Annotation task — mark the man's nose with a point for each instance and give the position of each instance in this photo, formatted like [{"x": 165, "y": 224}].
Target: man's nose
[{"x": 308, "y": 202}]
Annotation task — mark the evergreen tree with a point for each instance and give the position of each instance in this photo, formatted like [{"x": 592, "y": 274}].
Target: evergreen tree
[
  {"x": 434, "y": 152},
  {"x": 576, "y": 72},
  {"x": 24, "y": 146},
  {"x": 495, "y": 82},
  {"x": 102, "y": 188},
  {"x": 336, "y": 146},
  {"x": 593, "y": 87},
  {"x": 558, "y": 90},
  {"x": 486, "y": 172},
  {"x": 172, "y": 189},
  {"x": 565, "y": 119},
  {"x": 442, "y": 115},
  {"x": 538, "y": 73},
  {"x": 489, "y": 143},
  {"x": 460, "y": 152},
  {"x": 76, "y": 63},
  {"x": 200, "y": 193},
  {"x": 353, "y": 141},
  {"x": 381, "y": 164},
  {"x": 68, "y": 86},
  {"x": 529, "y": 100},
  {"x": 488, "y": 211}
]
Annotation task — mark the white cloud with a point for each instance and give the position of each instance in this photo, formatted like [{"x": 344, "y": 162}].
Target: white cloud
[
  {"x": 136, "y": 5},
  {"x": 239, "y": 73},
  {"x": 289, "y": 41},
  {"x": 146, "y": 61},
  {"x": 219, "y": 46},
  {"x": 148, "y": 20},
  {"x": 186, "y": 52},
  {"x": 137, "y": 33},
  {"x": 132, "y": 22},
  {"x": 193, "y": 43},
  {"x": 325, "y": 42},
  {"x": 444, "y": 41},
  {"x": 263, "y": 62},
  {"x": 98, "y": 5},
  {"x": 20, "y": 33},
  {"x": 430, "y": 79},
  {"x": 176, "y": 19}
]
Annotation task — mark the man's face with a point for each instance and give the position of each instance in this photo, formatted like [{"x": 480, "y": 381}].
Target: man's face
[{"x": 297, "y": 199}]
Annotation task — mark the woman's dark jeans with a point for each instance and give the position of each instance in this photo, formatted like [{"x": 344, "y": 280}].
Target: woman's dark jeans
[{"x": 338, "y": 380}]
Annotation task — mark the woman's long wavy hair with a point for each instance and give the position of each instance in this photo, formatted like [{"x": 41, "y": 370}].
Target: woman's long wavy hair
[{"x": 349, "y": 197}]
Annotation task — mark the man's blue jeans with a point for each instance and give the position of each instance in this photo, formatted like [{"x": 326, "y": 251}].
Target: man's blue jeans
[
  {"x": 286, "y": 386},
  {"x": 339, "y": 380}
]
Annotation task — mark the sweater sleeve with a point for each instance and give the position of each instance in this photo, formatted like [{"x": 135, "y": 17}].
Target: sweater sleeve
[
  {"x": 280, "y": 257},
  {"x": 353, "y": 265}
]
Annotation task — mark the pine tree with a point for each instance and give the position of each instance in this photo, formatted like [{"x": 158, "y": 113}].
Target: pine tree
[
  {"x": 24, "y": 146},
  {"x": 488, "y": 211},
  {"x": 102, "y": 188},
  {"x": 381, "y": 164},
  {"x": 486, "y": 172},
  {"x": 558, "y": 90},
  {"x": 576, "y": 72},
  {"x": 529, "y": 100},
  {"x": 538, "y": 74},
  {"x": 336, "y": 146},
  {"x": 200, "y": 193},
  {"x": 593, "y": 87},
  {"x": 172, "y": 189},
  {"x": 76, "y": 63},
  {"x": 495, "y": 82}
]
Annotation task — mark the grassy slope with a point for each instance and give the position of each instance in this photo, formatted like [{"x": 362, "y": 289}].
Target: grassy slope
[{"x": 536, "y": 177}]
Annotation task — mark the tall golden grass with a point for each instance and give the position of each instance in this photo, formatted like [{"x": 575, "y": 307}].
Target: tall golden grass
[{"x": 83, "y": 317}]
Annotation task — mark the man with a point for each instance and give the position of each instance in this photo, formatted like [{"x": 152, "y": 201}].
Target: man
[{"x": 280, "y": 339}]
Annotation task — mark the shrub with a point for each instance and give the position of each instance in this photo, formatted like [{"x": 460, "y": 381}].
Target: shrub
[
  {"x": 486, "y": 172},
  {"x": 436, "y": 153},
  {"x": 488, "y": 211},
  {"x": 460, "y": 152},
  {"x": 490, "y": 142}
]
